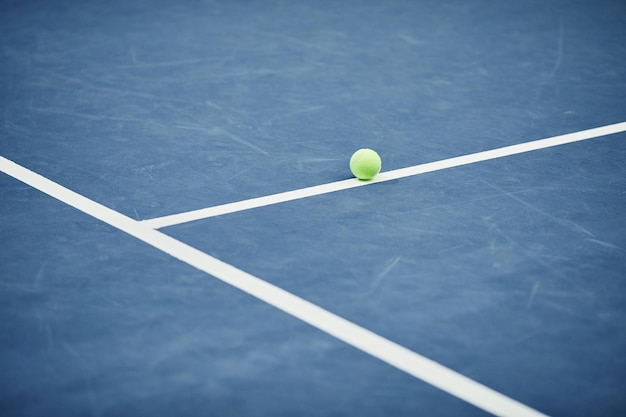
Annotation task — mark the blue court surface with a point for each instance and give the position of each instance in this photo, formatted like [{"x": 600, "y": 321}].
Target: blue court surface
[{"x": 181, "y": 234}]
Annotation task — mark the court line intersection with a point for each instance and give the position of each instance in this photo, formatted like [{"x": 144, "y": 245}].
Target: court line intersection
[{"x": 377, "y": 346}]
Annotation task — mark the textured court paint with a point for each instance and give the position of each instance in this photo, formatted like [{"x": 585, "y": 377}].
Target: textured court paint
[
  {"x": 359, "y": 337},
  {"x": 385, "y": 176},
  {"x": 157, "y": 107}
]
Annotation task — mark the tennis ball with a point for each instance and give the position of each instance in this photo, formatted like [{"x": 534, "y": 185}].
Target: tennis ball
[{"x": 365, "y": 164}]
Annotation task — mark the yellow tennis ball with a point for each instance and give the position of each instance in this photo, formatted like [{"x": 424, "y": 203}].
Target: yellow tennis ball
[{"x": 365, "y": 164}]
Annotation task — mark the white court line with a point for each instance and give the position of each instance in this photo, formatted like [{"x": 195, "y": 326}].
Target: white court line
[
  {"x": 392, "y": 353},
  {"x": 174, "y": 219}
]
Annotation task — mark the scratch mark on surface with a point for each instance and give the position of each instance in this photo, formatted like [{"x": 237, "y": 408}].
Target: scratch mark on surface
[
  {"x": 565, "y": 223},
  {"x": 451, "y": 248},
  {"x": 218, "y": 130},
  {"x": 42, "y": 322},
  {"x": 409, "y": 39},
  {"x": 84, "y": 364},
  {"x": 540, "y": 259},
  {"x": 315, "y": 160},
  {"x": 213, "y": 105},
  {"x": 133, "y": 55},
  {"x": 87, "y": 115},
  {"x": 559, "y": 53},
  {"x": 68, "y": 348},
  {"x": 380, "y": 277},
  {"x": 90, "y": 85},
  {"x": 173, "y": 63},
  {"x": 533, "y": 294},
  {"x": 237, "y": 174},
  {"x": 325, "y": 47},
  {"x": 243, "y": 142},
  {"x": 605, "y": 244},
  {"x": 40, "y": 273},
  {"x": 282, "y": 116},
  {"x": 148, "y": 170}
]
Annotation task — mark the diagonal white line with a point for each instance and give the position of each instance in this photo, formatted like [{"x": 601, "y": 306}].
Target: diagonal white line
[
  {"x": 174, "y": 219},
  {"x": 396, "y": 355}
]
